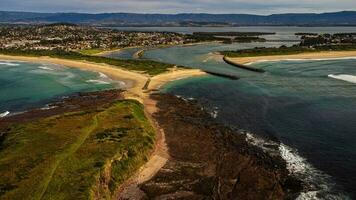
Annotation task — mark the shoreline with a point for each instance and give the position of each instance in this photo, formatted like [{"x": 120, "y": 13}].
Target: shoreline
[
  {"x": 215, "y": 158},
  {"x": 144, "y": 49},
  {"x": 161, "y": 153},
  {"x": 135, "y": 81},
  {"x": 136, "y": 91},
  {"x": 303, "y": 56}
]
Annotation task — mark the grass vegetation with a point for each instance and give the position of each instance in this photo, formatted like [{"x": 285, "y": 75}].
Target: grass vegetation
[
  {"x": 145, "y": 66},
  {"x": 283, "y": 50},
  {"x": 81, "y": 155},
  {"x": 229, "y": 37},
  {"x": 91, "y": 51}
]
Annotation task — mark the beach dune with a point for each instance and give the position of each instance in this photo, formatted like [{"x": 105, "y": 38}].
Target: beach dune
[{"x": 305, "y": 56}]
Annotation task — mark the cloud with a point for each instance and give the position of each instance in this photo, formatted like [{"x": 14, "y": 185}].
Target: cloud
[{"x": 178, "y": 6}]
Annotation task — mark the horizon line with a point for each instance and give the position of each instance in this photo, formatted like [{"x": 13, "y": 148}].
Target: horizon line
[{"x": 183, "y": 13}]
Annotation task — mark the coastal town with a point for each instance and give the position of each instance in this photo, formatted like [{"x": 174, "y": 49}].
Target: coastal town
[
  {"x": 70, "y": 37},
  {"x": 314, "y": 39}
]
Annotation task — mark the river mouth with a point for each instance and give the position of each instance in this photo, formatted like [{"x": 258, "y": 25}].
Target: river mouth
[{"x": 295, "y": 102}]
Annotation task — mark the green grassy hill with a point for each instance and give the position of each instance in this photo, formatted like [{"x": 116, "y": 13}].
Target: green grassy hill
[{"x": 80, "y": 155}]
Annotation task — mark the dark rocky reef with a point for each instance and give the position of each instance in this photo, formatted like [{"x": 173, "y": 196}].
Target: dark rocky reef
[
  {"x": 228, "y": 76},
  {"x": 210, "y": 161},
  {"x": 76, "y": 102}
]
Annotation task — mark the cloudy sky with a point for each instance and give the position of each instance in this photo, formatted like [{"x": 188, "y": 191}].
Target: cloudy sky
[{"x": 179, "y": 6}]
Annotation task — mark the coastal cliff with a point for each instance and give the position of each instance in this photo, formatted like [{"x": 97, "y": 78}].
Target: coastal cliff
[
  {"x": 206, "y": 160},
  {"x": 82, "y": 147}
]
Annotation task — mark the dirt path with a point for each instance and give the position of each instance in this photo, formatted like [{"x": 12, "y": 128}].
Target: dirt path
[
  {"x": 140, "y": 90},
  {"x": 71, "y": 150},
  {"x": 159, "y": 158}
]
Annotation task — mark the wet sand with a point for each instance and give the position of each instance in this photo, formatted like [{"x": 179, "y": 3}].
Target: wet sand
[
  {"x": 134, "y": 81},
  {"x": 302, "y": 56}
]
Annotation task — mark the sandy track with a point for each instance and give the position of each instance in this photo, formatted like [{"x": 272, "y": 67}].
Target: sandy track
[
  {"x": 317, "y": 55},
  {"x": 160, "y": 156}
]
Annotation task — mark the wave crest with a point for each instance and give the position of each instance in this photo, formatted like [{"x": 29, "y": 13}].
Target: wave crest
[
  {"x": 4, "y": 114},
  {"x": 344, "y": 77},
  {"x": 9, "y": 64},
  {"x": 318, "y": 185}
]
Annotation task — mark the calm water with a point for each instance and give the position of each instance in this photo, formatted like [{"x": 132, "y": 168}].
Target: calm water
[
  {"x": 282, "y": 32},
  {"x": 309, "y": 106},
  {"x": 25, "y": 85}
]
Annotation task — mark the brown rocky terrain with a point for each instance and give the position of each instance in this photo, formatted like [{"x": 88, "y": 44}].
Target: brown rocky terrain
[
  {"x": 209, "y": 161},
  {"x": 75, "y": 102},
  {"x": 206, "y": 160}
]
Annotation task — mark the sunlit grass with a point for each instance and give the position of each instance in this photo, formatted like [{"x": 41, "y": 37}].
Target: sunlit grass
[{"x": 67, "y": 156}]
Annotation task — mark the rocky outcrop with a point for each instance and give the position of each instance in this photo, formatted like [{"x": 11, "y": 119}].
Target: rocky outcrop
[{"x": 210, "y": 161}]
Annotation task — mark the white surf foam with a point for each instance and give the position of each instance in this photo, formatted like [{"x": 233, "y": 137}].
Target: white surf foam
[
  {"x": 48, "y": 107},
  {"x": 9, "y": 64},
  {"x": 319, "y": 184},
  {"x": 100, "y": 82},
  {"x": 344, "y": 77},
  {"x": 4, "y": 114},
  {"x": 102, "y": 75},
  {"x": 214, "y": 112},
  {"x": 45, "y": 68}
]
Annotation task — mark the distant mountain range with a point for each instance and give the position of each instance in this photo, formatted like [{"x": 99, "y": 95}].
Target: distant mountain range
[{"x": 344, "y": 18}]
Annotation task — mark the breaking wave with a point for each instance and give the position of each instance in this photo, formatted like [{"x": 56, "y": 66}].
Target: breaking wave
[
  {"x": 98, "y": 82},
  {"x": 45, "y": 68},
  {"x": 9, "y": 64},
  {"x": 344, "y": 77},
  {"x": 318, "y": 185},
  {"x": 4, "y": 114}
]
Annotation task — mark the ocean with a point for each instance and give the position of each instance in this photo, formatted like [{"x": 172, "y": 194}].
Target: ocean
[
  {"x": 298, "y": 104},
  {"x": 26, "y": 85},
  {"x": 307, "y": 107}
]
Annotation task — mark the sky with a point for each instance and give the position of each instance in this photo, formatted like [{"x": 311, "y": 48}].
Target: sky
[{"x": 262, "y": 7}]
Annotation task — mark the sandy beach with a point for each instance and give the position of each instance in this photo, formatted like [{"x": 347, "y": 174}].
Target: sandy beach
[
  {"x": 134, "y": 81},
  {"x": 317, "y": 55}
]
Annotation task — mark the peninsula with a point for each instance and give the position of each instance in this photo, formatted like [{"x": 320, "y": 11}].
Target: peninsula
[{"x": 136, "y": 143}]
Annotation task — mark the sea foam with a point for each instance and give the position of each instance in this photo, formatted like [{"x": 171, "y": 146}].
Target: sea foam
[
  {"x": 46, "y": 68},
  {"x": 102, "y": 75},
  {"x": 98, "y": 82},
  {"x": 4, "y": 114},
  {"x": 344, "y": 77},
  {"x": 9, "y": 64},
  {"x": 318, "y": 184}
]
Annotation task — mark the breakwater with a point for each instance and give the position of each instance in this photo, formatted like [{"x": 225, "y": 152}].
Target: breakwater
[{"x": 230, "y": 62}]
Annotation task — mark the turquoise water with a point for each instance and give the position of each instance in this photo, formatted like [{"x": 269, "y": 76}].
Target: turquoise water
[
  {"x": 25, "y": 85},
  {"x": 296, "y": 103},
  {"x": 308, "y": 106}
]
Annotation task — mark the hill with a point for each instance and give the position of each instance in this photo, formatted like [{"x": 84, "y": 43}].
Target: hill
[{"x": 343, "y": 18}]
